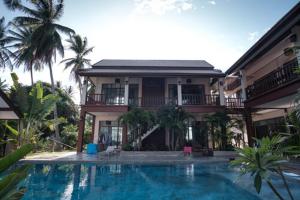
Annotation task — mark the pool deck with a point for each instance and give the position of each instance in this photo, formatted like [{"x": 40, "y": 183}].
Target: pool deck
[{"x": 125, "y": 157}]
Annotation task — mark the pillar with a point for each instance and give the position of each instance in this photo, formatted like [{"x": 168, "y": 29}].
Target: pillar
[
  {"x": 124, "y": 135},
  {"x": 221, "y": 91},
  {"x": 93, "y": 129},
  {"x": 249, "y": 126},
  {"x": 243, "y": 84},
  {"x": 179, "y": 92},
  {"x": 84, "y": 91},
  {"x": 96, "y": 130},
  {"x": 81, "y": 131},
  {"x": 140, "y": 91},
  {"x": 126, "y": 91}
]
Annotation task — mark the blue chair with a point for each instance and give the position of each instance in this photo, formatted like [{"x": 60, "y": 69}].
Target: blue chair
[{"x": 92, "y": 148}]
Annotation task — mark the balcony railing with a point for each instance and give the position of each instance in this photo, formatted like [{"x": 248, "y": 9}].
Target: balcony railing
[
  {"x": 275, "y": 79},
  {"x": 192, "y": 99},
  {"x": 101, "y": 99},
  {"x": 234, "y": 102}
]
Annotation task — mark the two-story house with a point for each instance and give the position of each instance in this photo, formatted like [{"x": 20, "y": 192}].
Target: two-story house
[
  {"x": 265, "y": 78},
  {"x": 112, "y": 87}
]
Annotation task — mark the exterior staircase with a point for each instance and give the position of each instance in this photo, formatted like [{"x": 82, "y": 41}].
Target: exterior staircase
[{"x": 150, "y": 131}]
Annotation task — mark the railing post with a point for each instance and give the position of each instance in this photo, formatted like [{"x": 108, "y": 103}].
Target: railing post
[
  {"x": 221, "y": 91},
  {"x": 243, "y": 84},
  {"x": 83, "y": 91},
  {"x": 179, "y": 91},
  {"x": 126, "y": 91}
]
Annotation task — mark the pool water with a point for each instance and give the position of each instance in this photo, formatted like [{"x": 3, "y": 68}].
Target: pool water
[{"x": 137, "y": 182}]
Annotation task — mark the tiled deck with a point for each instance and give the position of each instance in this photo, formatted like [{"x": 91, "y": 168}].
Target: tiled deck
[{"x": 125, "y": 157}]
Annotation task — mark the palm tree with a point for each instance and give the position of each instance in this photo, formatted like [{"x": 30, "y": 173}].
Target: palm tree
[
  {"x": 80, "y": 48},
  {"x": 176, "y": 120},
  {"x": 46, "y": 39},
  {"x": 21, "y": 39},
  {"x": 4, "y": 39},
  {"x": 3, "y": 85},
  {"x": 138, "y": 119}
]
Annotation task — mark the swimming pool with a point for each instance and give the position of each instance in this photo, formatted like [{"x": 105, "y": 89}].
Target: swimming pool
[{"x": 139, "y": 182}]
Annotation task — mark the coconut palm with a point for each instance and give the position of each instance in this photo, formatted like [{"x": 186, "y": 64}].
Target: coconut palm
[
  {"x": 4, "y": 39},
  {"x": 80, "y": 48},
  {"x": 46, "y": 39},
  {"x": 21, "y": 38}
]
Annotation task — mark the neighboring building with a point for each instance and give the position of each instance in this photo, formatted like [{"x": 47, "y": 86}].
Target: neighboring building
[
  {"x": 7, "y": 109},
  {"x": 264, "y": 77},
  {"x": 117, "y": 85}
]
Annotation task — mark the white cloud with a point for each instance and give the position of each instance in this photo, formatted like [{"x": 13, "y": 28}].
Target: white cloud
[
  {"x": 212, "y": 2},
  {"x": 160, "y": 7},
  {"x": 253, "y": 36}
]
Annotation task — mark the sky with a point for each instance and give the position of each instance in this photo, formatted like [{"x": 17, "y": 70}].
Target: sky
[{"x": 218, "y": 31}]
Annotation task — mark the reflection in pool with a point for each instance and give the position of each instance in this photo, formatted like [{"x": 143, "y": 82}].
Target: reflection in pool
[{"x": 107, "y": 182}]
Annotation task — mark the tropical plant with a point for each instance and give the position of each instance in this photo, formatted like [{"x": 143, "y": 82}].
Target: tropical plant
[
  {"x": 3, "y": 85},
  {"x": 20, "y": 39},
  {"x": 69, "y": 135},
  {"x": 9, "y": 184},
  {"x": 138, "y": 120},
  {"x": 46, "y": 39},
  {"x": 4, "y": 51},
  {"x": 176, "y": 120},
  {"x": 263, "y": 161},
  {"x": 219, "y": 122},
  {"x": 34, "y": 105},
  {"x": 80, "y": 48}
]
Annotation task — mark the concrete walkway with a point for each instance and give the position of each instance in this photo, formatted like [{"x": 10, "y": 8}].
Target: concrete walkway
[{"x": 125, "y": 157}]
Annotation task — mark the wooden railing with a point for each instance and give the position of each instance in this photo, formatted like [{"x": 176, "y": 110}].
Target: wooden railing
[
  {"x": 101, "y": 99},
  {"x": 191, "y": 99},
  {"x": 275, "y": 79},
  {"x": 234, "y": 102},
  {"x": 236, "y": 83}
]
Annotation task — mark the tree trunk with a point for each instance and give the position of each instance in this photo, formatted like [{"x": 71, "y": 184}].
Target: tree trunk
[
  {"x": 31, "y": 72},
  {"x": 55, "y": 115}
]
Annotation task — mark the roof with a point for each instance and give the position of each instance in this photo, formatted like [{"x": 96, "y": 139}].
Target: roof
[
  {"x": 7, "y": 109},
  {"x": 278, "y": 32},
  {"x": 151, "y": 67},
  {"x": 116, "y": 63}
]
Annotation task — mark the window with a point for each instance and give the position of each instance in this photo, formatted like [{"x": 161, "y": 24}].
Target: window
[
  {"x": 113, "y": 93},
  {"x": 110, "y": 134}
]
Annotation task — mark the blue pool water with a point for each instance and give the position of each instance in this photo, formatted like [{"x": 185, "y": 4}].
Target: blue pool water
[{"x": 139, "y": 182}]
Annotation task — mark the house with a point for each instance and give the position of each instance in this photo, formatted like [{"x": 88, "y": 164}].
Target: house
[
  {"x": 265, "y": 78},
  {"x": 7, "y": 109},
  {"x": 113, "y": 87}
]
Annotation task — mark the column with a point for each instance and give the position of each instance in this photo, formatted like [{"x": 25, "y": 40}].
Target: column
[
  {"x": 243, "y": 84},
  {"x": 84, "y": 91},
  {"x": 126, "y": 92},
  {"x": 179, "y": 92},
  {"x": 93, "y": 129},
  {"x": 249, "y": 126},
  {"x": 124, "y": 135},
  {"x": 221, "y": 91},
  {"x": 140, "y": 91},
  {"x": 81, "y": 131},
  {"x": 96, "y": 130}
]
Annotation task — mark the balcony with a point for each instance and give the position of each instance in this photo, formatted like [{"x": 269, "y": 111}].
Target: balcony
[
  {"x": 276, "y": 79},
  {"x": 100, "y": 99},
  {"x": 232, "y": 103}
]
